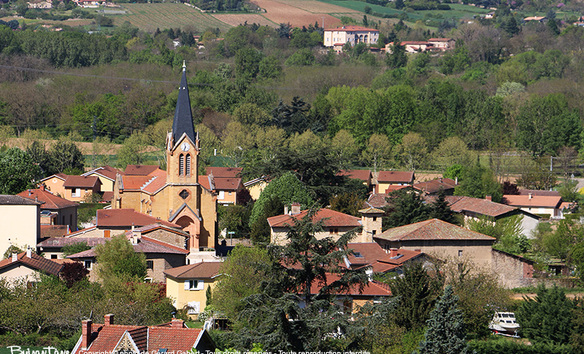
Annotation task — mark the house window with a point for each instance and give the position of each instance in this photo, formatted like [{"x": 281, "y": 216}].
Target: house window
[
  {"x": 188, "y": 170},
  {"x": 87, "y": 264},
  {"x": 181, "y": 165},
  {"x": 375, "y": 218},
  {"x": 147, "y": 280},
  {"x": 459, "y": 253},
  {"x": 194, "y": 284},
  {"x": 221, "y": 195},
  {"x": 373, "y": 232},
  {"x": 76, "y": 193},
  {"x": 149, "y": 264},
  {"x": 53, "y": 256}
]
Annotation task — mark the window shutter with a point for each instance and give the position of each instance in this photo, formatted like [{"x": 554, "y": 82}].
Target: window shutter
[
  {"x": 186, "y": 285},
  {"x": 201, "y": 285}
]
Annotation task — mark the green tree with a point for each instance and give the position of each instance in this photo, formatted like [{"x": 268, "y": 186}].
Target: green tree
[
  {"x": 405, "y": 207},
  {"x": 415, "y": 294},
  {"x": 547, "y": 318},
  {"x": 116, "y": 259},
  {"x": 17, "y": 171},
  {"x": 65, "y": 157},
  {"x": 344, "y": 149},
  {"x": 378, "y": 151},
  {"x": 396, "y": 57},
  {"x": 241, "y": 276},
  {"x": 75, "y": 248},
  {"x": 445, "y": 333},
  {"x": 413, "y": 151},
  {"x": 302, "y": 263},
  {"x": 478, "y": 182},
  {"x": 270, "y": 68},
  {"x": 247, "y": 63},
  {"x": 132, "y": 151},
  {"x": 303, "y": 57},
  {"x": 287, "y": 189}
]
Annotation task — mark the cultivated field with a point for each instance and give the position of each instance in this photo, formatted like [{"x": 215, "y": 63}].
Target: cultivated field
[
  {"x": 239, "y": 19},
  {"x": 149, "y": 17},
  {"x": 297, "y": 12}
]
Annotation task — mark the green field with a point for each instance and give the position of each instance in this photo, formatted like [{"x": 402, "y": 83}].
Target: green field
[
  {"x": 149, "y": 17},
  {"x": 458, "y": 11}
]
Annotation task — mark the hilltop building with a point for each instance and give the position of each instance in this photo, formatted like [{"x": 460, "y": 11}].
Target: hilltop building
[
  {"x": 338, "y": 37},
  {"x": 174, "y": 195}
]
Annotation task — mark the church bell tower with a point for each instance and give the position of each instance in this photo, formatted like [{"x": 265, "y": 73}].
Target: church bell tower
[{"x": 182, "y": 143}]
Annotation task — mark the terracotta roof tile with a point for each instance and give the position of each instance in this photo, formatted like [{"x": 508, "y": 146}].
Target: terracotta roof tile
[
  {"x": 140, "y": 170},
  {"x": 536, "y": 192},
  {"x": 49, "y": 200},
  {"x": 145, "y": 245},
  {"x": 201, "y": 270},
  {"x": 127, "y": 218},
  {"x": 81, "y": 182},
  {"x": 364, "y": 175},
  {"x": 330, "y": 218},
  {"x": 106, "y": 171},
  {"x": 393, "y": 188},
  {"x": 460, "y": 204},
  {"x": 134, "y": 182},
  {"x": 377, "y": 201},
  {"x": 533, "y": 201},
  {"x": 177, "y": 339},
  {"x": 35, "y": 262},
  {"x": 224, "y": 172},
  {"x": 16, "y": 200},
  {"x": 435, "y": 185},
  {"x": 372, "y": 288},
  {"x": 396, "y": 176},
  {"x": 227, "y": 184},
  {"x": 66, "y": 241},
  {"x": 54, "y": 230},
  {"x": 158, "y": 181},
  {"x": 433, "y": 229},
  {"x": 107, "y": 197}
]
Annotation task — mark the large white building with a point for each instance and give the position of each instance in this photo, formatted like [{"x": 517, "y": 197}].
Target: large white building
[{"x": 338, "y": 37}]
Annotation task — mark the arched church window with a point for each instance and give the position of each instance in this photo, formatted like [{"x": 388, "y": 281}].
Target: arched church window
[
  {"x": 181, "y": 165},
  {"x": 188, "y": 165}
]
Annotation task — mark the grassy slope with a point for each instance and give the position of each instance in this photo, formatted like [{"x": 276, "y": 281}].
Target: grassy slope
[{"x": 148, "y": 17}]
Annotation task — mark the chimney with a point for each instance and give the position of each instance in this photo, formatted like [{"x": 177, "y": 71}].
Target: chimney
[
  {"x": 177, "y": 323},
  {"x": 29, "y": 192},
  {"x": 108, "y": 319},
  {"x": 42, "y": 187},
  {"x": 393, "y": 252},
  {"x": 489, "y": 198},
  {"x": 14, "y": 256},
  {"x": 530, "y": 196},
  {"x": 456, "y": 180},
  {"x": 285, "y": 209},
  {"x": 85, "y": 334},
  {"x": 29, "y": 252},
  {"x": 295, "y": 209}
]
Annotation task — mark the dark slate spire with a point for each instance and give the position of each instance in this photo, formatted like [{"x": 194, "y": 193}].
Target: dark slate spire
[{"x": 183, "y": 118}]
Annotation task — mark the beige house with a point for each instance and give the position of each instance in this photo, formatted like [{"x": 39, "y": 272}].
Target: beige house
[
  {"x": 225, "y": 188},
  {"x": 54, "y": 209},
  {"x": 385, "y": 180},
  {"x": 537, "y": 204},
  {"x": 175, "y": 195},
  {"x": 106, "y": 175},
  {"x": 256, "y": 186},
  {"x": 72, "y": 188},
  {"x": 187, "y": 285},
  {"x": 20, "y": 220},
  {"x": 334, "y": 224},
  {"x": 26, "y": 267},
  {"x": 441, "y": 240},
  {"x": 338, "y": 37}
]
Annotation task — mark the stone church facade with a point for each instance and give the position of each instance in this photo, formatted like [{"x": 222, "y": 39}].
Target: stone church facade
[{"x": 175, "y": 195}]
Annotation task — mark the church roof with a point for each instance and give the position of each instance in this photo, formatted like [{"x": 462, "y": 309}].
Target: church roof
[{"x": 183, "y": 117}]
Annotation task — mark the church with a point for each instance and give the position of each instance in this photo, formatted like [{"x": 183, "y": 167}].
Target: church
[{"x": 175, "y": 195}]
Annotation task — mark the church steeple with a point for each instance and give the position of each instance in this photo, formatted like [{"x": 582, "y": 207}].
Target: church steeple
[{"x": 183, "y": 117}]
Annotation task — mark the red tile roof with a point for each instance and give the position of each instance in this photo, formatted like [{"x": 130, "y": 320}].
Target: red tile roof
[
  {"x": 127, "y": 218},
  {"x": 534, "y": 201},
  {"x": 81, "y": 182},
  {"x": 330, "y": 218},
  {"x": 145, "y": 245},
  {"x": 35, "y": 262},
  {"x": 201, "y": 270},
  {"x": 49, "y": 200},
  {"x": 393, "y": 188},
  {"x": 140, "y": 170},
  {"x": 157, "y": 181},
  {"x": 148, "y": 339},
  {"x": 433, "y": 229},
  {"x": 395, "y": 177},
  {"x": 227, "y": 184},
  {"x": 460, "y": 204},
  {"x": 134, "y": 182},
  {"x": 435, "y": 185},
  {"x": 538, "y": 192},
  {"x": 364, "y": 175},
  {"x": 107, "y": 197},
  {"x": 371, "y": 254},
  {"x": 66, "y": 241},
  {"x": 54, "y": 230},
  {"x": 16, "y": 200},
  {"x": 372, "y": 288},
  {"x": 352, "y": 29},
  {"x": 224, "y": 172},
  {"x": 377, "y": 201},
  {"x": 105, "y": 171}
]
